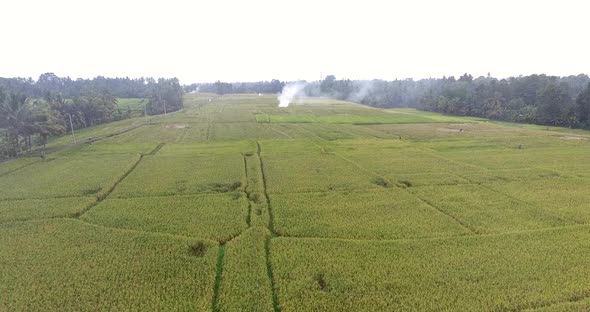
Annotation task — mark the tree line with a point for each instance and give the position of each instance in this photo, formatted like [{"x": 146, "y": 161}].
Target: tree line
[
  {"x": 32, "y": 111},
  {"x": 273, "y": 86},
  {"x": 539, "y": 99}
]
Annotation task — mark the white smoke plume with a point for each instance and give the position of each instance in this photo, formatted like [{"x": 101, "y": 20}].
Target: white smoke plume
[
  {"x": 289, "y": 92},
  {"x": 363, "y": 88}
]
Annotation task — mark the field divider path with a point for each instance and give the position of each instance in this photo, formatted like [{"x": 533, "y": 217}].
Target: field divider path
[
  {"x": 275, "y": 297},
  {"x": 265, "y": 191},
  {"x": 21, "y": 167},
  {"x": 457, "y": 220},
  {"x": 484, "y": 185},
  {"x": 434, "y": 238},
  {"x": 181, "y": 137},
  {"x": 278, "y": 131},
  {"x": 536, "y": 307},
  {"x": 164, "y": 234},
  {"x": 369, "y": 171},
  {"x": 103, "y": 196},
  {"x": 433, "y": 153},
  {"x": 208, "y": 134},
  {"x": 247, "y": 192},
  {"x": 218, "y": 276},
  {"x": 529, "y": 204},
  {"x": 317, "y": 136}
]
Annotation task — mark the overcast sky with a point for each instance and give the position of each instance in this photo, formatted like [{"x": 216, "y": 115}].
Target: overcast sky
[{"x": 252, "y": 40}]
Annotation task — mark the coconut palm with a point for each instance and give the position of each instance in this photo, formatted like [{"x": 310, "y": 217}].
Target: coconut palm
[{"x": 22, "y": 119}]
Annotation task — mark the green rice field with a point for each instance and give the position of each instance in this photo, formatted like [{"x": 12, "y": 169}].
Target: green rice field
[{"x": 234, "y": 204}]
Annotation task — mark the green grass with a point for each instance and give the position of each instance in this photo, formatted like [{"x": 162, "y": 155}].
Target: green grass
[
  {"x": 215, "y": 217},
  {"x": 375, "y": 214},
  {"x": 68, "y": 265},
  {"x": 130, "y": 107},
  {"x": 486, "y": 273}
]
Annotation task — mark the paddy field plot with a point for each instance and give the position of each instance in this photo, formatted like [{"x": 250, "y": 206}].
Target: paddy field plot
[
  {"x": 360, "y": 214},
  {"x": 508, "y": 272},
  {"x": 313, "y": 172},
  {"x": 27, "y": 209},
  {"x": 233, "y": 204},
  {"x": 16, "y": 164},
  {"x": 180, "y": 175},
  {"x": 134, "y": 107},
  {"x": 215, "y": 217},
  {"x": 245, "y": 274},
  {"x": 66, "y": 177},
  {"x": 486, "y": 211},
  {"x": 65, "y": 264}
]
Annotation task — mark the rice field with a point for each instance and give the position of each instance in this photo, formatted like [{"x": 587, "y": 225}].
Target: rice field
[{"x": 236, "y": 205}]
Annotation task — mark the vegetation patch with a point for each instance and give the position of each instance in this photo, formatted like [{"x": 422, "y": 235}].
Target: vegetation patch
[
  {"x": 406, "y": 183},
  {"x": 198, "y": 249},
  {"x": 221, "y": 187},
  {"x": 320, "y": 278},
  {"x": 381, "y": 182}
]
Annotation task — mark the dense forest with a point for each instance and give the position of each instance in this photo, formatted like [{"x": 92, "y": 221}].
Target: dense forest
[
  {"x": 540, "y": 99},
  {"x": 32, "y": 111},
  {"x": 273, "y": 86}
]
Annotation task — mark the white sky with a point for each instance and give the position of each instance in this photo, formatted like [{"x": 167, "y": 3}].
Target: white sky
[{"x": 252, "y": 40}]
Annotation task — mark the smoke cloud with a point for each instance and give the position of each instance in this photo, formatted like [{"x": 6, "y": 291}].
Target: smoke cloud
[
  {"x": 289, "y": 92},
  {"x": 363, "y": 88},
  {"x": 354, "y": 91}
]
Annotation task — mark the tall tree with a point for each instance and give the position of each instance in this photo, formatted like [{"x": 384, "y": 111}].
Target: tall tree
[
  {"x": 553, "y": 105},
  {"x": 583, "y": 106},
  {"x": 22, "y": 119}
]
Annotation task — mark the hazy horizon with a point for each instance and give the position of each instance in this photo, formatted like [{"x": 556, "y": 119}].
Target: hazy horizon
[{"x": 260, "y": 40}]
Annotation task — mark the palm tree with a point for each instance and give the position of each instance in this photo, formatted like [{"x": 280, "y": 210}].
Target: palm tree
[{"x": 24, "y": 118}]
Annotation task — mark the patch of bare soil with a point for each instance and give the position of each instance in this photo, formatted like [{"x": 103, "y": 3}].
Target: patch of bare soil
[
  {"x": 449, "y": 130},
  {"x": 571, "y": 137},
  {"x": 175, "y": 126}
]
